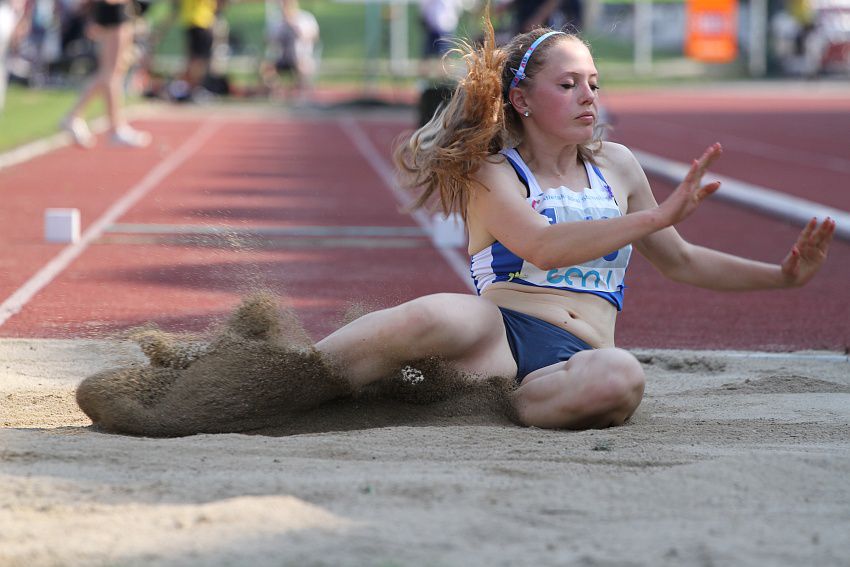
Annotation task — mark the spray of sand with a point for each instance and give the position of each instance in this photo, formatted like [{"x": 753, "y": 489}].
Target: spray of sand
[{"x": 261, "y": 373}]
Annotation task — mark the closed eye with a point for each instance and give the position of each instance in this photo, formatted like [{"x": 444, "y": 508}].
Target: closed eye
[{"x": 571, "y": 86}]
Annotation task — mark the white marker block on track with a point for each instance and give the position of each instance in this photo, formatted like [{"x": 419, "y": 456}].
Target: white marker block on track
[{"x": 62, "y": 225}]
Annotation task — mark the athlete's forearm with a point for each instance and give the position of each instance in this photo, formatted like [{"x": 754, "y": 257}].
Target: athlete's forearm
[
  {"x": 712, "y": 269},
  {"x": 572, "y": 243}
]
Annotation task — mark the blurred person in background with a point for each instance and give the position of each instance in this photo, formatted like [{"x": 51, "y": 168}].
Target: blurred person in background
[
  {"x": 72, "y": 23},
  {"x": 571, "y": 15},
  {"x": 812, "y": 37},
  {"x": 13, "y": 20},
  {"x": 198, "y": 18},
  {"x": 41, "y": 46},
  {"x": 111, "y": 26},
  {"x": 556, "y": 14},
  {"x": 530, "y": 14},
  {"x": 293, "y": 48},
  {"x": 439, "y": 19}
]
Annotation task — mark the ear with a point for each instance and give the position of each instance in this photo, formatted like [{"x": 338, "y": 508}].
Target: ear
[{"x": 517, "y": 98}]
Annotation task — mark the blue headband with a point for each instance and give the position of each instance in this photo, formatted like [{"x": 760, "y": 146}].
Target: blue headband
[{"x": 519, "y": 74}]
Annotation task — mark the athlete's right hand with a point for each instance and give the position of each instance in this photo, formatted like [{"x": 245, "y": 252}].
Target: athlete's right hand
[{"x": 690, "y": 193}]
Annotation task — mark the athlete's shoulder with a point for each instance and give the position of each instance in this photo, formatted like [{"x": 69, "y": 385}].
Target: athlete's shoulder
[
  {"x": 494, "y": 164},
  {"x": 496, "y": 174},
  {"x": 616, "y": 157},
  {"x": 621, "y": 169},
  {"x": 618, "y": 161}
]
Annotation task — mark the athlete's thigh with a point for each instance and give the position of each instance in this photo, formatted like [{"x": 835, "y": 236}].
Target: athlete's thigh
[{"x": 471, "y": 330}]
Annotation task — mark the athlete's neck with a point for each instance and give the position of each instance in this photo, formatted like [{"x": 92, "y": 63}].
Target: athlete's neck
[{"x": 551, "y": 163}]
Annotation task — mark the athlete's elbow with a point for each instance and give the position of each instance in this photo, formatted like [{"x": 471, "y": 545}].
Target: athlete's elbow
[
  {"x": 679, "y": 269},
  {"x": 541, "y": 252},
  {"x": 542, "y": 260},
  {"x": 550, "y": 258},
  {"x": 677, "y": 275}
]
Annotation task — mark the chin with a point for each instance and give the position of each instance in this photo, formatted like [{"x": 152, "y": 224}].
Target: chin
[
  {"x": 586, "y": 138},
  {"x": 577, "y": 136}
]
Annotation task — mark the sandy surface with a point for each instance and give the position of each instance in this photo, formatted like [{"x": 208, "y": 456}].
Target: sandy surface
[{"x": 731, "y": 460}]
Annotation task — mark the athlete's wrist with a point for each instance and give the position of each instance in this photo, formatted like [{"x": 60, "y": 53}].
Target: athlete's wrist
[{"x": 655, "y": 220}]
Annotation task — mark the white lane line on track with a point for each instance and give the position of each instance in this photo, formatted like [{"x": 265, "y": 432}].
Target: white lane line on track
[
  {"x": 782, "y": 205},
  {"x": 457, "y": 261},
  {"x": 54, "y": 267}
]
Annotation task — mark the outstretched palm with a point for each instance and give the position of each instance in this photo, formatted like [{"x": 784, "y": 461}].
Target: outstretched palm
[
  {"x": 808, "y": 253},
  {"x": 691, "y": 192}
]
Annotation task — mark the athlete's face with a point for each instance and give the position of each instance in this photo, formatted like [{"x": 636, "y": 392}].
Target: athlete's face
[{"x": 562, "y": 96}]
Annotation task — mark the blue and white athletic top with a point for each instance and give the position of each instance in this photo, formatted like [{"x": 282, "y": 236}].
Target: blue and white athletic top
[{"x": 602, "y": 276}]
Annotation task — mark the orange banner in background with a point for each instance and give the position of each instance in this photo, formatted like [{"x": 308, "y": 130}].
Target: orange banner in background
[{"x": 711, "y": 33}]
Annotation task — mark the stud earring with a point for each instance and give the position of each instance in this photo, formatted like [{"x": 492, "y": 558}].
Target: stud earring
[{"x": 526, "y": 114}]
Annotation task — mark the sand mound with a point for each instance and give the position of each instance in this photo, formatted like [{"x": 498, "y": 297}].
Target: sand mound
[
  {"x": 785, "y": 384},
  {"x": 689, "y": 363},
  {"x": 261, "y": 373}
]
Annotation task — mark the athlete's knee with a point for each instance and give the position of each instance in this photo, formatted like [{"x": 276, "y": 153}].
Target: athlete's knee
[
  {"x": 624, "y": 374},
  {"x": 619, "y": 381},
  {"x": 594, "y": 389},
  {"x": 412, "y": 323},
  {"x": 613, "y": 388},
  {"x": 421, "y": 316}
]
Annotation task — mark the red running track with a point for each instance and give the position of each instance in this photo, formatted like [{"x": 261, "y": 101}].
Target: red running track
[
  {"x": 250, "y": 173},
  {"x": 275, "y": 173}
]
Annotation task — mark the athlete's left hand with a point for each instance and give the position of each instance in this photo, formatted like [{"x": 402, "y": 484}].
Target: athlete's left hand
[{"x": 809, "y": 252}]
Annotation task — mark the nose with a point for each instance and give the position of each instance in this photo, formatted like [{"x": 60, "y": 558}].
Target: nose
[{"x": 586, "y": 94}]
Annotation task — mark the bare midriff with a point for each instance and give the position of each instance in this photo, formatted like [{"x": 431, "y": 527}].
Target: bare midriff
[{"x": 587, "y": 316}]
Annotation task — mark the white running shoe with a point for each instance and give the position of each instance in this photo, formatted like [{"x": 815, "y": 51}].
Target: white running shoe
[
  {"x": 79, "y": 131},
  {"x": 130, "y": 138}
]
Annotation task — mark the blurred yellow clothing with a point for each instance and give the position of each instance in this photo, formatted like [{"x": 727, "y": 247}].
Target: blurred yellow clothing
[
  {"x": 197, "y": 13},
  {"x": 801, "y": 10}
]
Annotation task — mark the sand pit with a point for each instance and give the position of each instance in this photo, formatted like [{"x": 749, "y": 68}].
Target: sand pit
[{"x": 731, "y": 460}]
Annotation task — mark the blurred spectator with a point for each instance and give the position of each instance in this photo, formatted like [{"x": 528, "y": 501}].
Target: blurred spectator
[
  {"x": 152, "y": 28},
  {"x": 112, "y": 28},
  {"x": 12, "y": 17},
  {"x": 77, "y": 58},
  {"x": 529, "y": 14},
  {"x": 42, "y": 43},
  {"x": 557, "y": 14},
  {"x": 144, "y": 43},
  {"x": 72, "y": 23},
  {"x": 198, "y": 18},
  {"x": 809, "y": 38},
  {"x": 53, "y": 48},
  {"x": 440, "y": 19},
  {"x": 571, "y": 16},
  {"x": 439, "y": 22},
  {"x": 293, "y": 48}
]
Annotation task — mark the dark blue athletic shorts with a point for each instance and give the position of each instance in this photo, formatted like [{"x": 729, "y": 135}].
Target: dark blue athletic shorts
[{"x": 536, "y": 343}]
